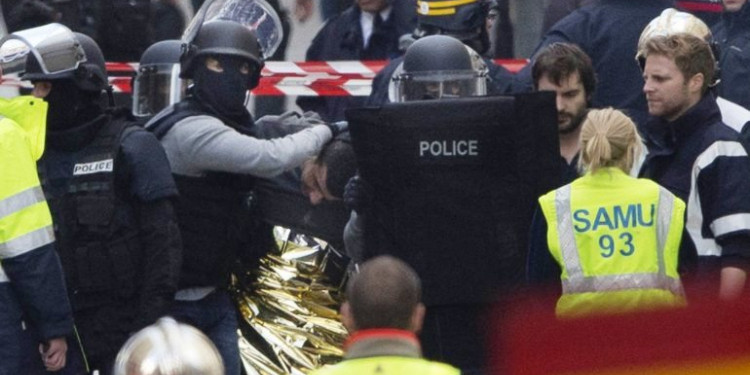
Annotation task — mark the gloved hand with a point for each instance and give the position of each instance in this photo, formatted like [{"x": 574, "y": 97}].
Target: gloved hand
[
  {"x": 338, "y": 127},
  {"x": 358, "y": 194}
]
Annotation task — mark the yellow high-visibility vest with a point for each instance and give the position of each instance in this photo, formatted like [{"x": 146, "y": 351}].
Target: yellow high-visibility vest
[
  {"x": 25, "y": 220},
  {"x": 388, "y": 365},
  {"x": 616, "y": 239}
]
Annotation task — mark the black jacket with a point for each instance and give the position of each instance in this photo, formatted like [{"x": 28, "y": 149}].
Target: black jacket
[
  {"x": 341, "y": 39},
  {"x": 733, "y": 36},
  {"x": 700, "y": 160}
]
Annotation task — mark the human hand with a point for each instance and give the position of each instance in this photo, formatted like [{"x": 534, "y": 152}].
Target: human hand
[
  {"x": 338, "y": 127},
  {"x": 358, "y": 194},
  {"x": 53, "y": 353}
]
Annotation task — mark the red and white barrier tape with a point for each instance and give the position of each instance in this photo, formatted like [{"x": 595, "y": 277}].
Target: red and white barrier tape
[{"x": 280, "y": 78}]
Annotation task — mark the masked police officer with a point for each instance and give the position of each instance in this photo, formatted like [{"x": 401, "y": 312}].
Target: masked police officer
[
  {"x": 110, "y": 190},
  {"x": 210, "y": 143}
]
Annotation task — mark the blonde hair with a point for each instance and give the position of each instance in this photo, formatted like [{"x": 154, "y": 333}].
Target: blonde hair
[
  {"x": 169, "y": 348},
  {"x": 608, "y": 139}
]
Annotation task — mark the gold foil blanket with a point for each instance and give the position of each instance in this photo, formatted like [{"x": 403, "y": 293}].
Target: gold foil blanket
[{"x": 289, "y": 306}]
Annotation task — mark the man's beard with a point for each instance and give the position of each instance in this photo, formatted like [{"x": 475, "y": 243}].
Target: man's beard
[{"x": 574, "y": 124}]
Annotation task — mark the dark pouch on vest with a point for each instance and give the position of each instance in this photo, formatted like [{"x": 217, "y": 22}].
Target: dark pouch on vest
[{"x": 95, "y": 212}]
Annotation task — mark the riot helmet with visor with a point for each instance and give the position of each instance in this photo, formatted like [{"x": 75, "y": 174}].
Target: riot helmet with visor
[
  {"x": 438, "y": 67},
  {"x": 157, "y": 84}
]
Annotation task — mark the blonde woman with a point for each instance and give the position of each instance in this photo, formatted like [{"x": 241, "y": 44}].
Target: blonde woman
[{"x": 614, "y": 238}]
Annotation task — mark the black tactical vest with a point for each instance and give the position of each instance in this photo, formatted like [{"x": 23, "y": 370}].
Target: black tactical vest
[
  {"x": 210, "y": 210},
  {"x": 95, "y": 227}
]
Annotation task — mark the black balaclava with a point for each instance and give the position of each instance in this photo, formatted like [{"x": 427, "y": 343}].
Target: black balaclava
[
  {"x": 225, "y": 91},
  {"x": 69, "y": 106}
]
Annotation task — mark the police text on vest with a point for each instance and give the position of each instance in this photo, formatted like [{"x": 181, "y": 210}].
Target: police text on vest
[
  {"x": 462, "y": 147},
  {"x": 93, "y": 167}
]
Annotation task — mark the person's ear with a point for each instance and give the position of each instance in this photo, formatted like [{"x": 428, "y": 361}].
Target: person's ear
[
  {"x": 417, "y": 318},
  {"x": 41, "y": 89},
  {"x": 695, "y": 84}
]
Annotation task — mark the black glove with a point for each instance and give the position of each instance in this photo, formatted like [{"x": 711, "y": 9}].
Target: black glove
[
  {"x": 358, "y": 194},
  {"x": 338, "y": 127}
]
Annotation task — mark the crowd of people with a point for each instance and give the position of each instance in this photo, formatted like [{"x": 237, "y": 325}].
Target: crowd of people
[{"x": 120, "y": 229}]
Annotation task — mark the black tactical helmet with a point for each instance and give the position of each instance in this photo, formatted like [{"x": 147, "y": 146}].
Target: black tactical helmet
[
  {"x": 163, "y": 52},
  {"x": 91, "y": 75},
  {"x": 157, "y": 84},
  {"x": 223, "y": 38},
  {"x": 437, "y": 52},
  {"x": 439, "y": 66}
]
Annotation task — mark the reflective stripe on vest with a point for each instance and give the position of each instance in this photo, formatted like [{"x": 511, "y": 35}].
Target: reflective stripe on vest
[
  {"x": 578, "y": 283},
  {"x": 27, "y": 242},
  {"x": 3, "y": 277},
  {"x": 18, "y": 202}
]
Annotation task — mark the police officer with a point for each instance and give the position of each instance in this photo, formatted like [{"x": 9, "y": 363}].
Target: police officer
[
  {"x": 615, "y": 238},
  {"x": 434, "y": 67},
  {"x": 110, "y": 192},
  {"x": 464, "y": 21},
  {"x": 210, "y": 144},
  {"x": 157, "y": 84},
  {"x": 733, "y": 35},
  {"x": 32, "y": 287}
]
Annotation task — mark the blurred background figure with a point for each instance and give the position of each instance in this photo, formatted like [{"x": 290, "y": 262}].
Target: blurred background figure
[
  {"x": 169, "y": 348},
  {"x": 168, "y": 20},
  {"x": 31, "y": 13},
  {"x": 367, "y": 30},
  {"x": 732, "y": 34},
  {"x": 558, "y": 9},
  {"x": 500, "y": 30}
]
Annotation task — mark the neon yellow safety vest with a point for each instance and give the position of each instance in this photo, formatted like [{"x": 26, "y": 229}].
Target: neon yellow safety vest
[
  {"x": 388, "y": 365},
  {"x": 25, "y": 220},
  {"x": 616, "y": 239}
]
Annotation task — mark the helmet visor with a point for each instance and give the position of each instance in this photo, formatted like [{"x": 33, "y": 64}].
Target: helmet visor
[
  {"x": 257, "y": 15},
  {"x": 54, "y": 46},
  {"x": 439, "y": 85},
  {"x": 157, "y": 87}
]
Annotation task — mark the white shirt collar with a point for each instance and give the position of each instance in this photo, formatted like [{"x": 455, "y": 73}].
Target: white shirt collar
[{"x": 367, "y": 21}]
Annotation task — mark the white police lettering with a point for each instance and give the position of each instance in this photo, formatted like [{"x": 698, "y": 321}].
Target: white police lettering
[
  {"x": 93, "y": 167},
  {"x": 449, "y": 148}
]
